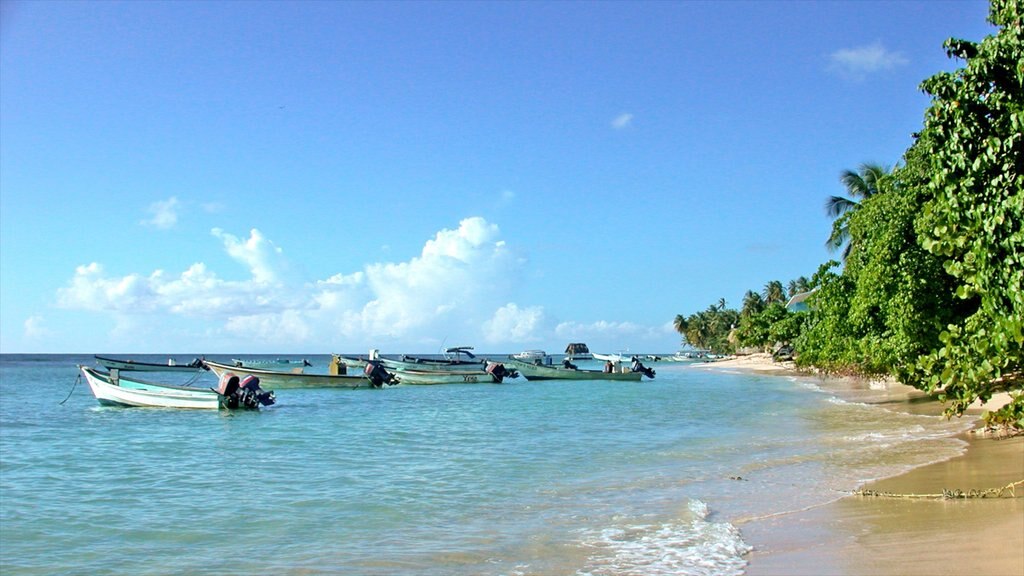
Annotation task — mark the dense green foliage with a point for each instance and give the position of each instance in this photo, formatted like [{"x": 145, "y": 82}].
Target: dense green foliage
[
  {"x": 973, "y": 140},
  {"x": 932, "y": 284},
  {"x": 709, "y": 329}
]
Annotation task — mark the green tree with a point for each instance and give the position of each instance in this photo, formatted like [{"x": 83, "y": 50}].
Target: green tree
[
  {"x": 753, "y": 303},
  {"x": 973, "y": 139},
  {"x": 869, "y": 180},
  {"x": 798, "y": 286},
  {"x": 774, "y": 292}
]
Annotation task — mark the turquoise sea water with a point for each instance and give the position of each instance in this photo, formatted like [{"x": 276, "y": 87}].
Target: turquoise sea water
[{"x": 574, "y": 478}]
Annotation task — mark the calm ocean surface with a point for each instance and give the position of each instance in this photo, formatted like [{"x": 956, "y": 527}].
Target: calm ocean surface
[{"x": 564, "y": 478}]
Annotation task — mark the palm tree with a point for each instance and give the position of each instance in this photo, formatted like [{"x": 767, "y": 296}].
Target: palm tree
[
  {"x": 865, "y": 183},
  {"x": 752, "y": 303},
  {"x": 801, "y": 284},
  {"x": 773, "y": 292},
  {"x": 680, "y": 324}
]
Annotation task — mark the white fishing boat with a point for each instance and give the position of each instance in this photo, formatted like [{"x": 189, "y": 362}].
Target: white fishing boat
[
  {"x": 616, "y": 358},
  {"x": 116, "y": 389}
]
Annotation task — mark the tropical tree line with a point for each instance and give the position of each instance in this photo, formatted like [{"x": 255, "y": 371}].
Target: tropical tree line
[{"x": 929, "y": 285}]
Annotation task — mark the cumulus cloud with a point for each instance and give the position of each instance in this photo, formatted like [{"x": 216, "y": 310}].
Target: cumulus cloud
[
  {"x": 857, "y": 63},
  {"x": 512, "y": 324},
  {"x": 453, "y": 287},
  {"x": 461, "y": 286},
  {"x": 624, "y": 120},
  {"x": 260, "y": 255},
  {"x": 163, "y": 214}
]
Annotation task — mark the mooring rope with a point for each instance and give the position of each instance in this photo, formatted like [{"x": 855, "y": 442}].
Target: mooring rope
[
  {"x": 72, "y": 389},
  {"x": 950, "y": 494}
]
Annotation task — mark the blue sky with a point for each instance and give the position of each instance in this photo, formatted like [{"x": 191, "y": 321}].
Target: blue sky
[{"x": 290, "y": 177}]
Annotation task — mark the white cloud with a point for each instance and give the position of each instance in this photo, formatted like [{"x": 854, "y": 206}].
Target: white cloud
[
  {"x": 35, "y": 328},
  {"x": 857, "y": 63},
  {"x": 164, "y": 214},
  {"x": 460, "y": 287},
  {"x": 451, "y": 288},
  {"x": 263, "y": 258},
  {"x": 624, "y": 120},
  {"x": 511, "y": 324}
]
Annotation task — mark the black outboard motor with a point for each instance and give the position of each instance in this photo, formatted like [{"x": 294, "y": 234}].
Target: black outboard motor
[
  {"x": 245, "y": 393},
  {"x": 378, "y": 376},
  {"x": 499, "y": 372},
  {"x": 639, "y": 367}
]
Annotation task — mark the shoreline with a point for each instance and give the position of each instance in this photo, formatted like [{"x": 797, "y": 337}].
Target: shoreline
[{"x": 885, "y": 536}]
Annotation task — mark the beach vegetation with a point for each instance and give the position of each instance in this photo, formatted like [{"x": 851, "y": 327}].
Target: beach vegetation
[
  {"x": 709, "y": 329},
  {"x": 930, "y": 288},
  {"x": 868, "y": 180},
  {"x": 973, "y": 141}
]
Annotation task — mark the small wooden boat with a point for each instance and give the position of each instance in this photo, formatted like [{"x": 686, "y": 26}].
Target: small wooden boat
[
  {"x": 134, "y": 366},
  {"x": 116, "y": 389},
  {"x": 533, "y": 371},
  {"x": 297, "y": 378},
  {"x": 494, "y": 374}
]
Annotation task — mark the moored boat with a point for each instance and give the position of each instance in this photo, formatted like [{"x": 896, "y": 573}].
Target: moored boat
[
  {"x": 617, "y": 358},
  {"x": 530, "y": 355},
  {"x": 494, "y": 373},
  {"x": 533, "y": 371},
  {"x": 455, "y": 359},
  {"x": 126, "y": 365},
  {"x": 337, "y": 376},
  {"x": 270, "y": 363},
  {"x": 116, "y": 389}
]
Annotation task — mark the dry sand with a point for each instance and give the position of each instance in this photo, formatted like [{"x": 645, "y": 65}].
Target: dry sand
[{"x": 879, "y": 536}]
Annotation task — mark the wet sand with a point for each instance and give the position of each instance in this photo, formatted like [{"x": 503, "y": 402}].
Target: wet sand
[{"x": 882, "y": 536}]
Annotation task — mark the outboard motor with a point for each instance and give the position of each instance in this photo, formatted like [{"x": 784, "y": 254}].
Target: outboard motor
[
  {"x": 378, "y": 376},
  {"x": 499, "y": 372},
  {"x": 639, "y": 367},
  {"x": 245, "y": 393}
]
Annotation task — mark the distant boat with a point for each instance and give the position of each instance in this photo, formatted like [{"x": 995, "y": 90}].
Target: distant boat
[
  {"x": 116, "y": 389},
  {"x": 275, "y": 363},
  {"x": 531, "y": 355},
  {"x": 613, "y": 358},
  {"x": 578, "y": 351},
  {"x": 133, "y": 366},
  {"x": 532, "y": 371},
  {"x": 297, "y": 378},
  {"x": 459, "y": 358}
]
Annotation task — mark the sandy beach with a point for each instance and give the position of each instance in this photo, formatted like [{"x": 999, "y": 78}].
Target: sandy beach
[{"x": 899, "y": 536}]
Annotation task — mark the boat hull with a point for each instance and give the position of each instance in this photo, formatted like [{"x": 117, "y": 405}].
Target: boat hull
[
  {"x": 137, "y": 393},
  {"x": 548, "y": 372},
  {"x": 431, "y": 377},
  {"x": 297, "y": 379},
  {"x": 133, "y": 366}
]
